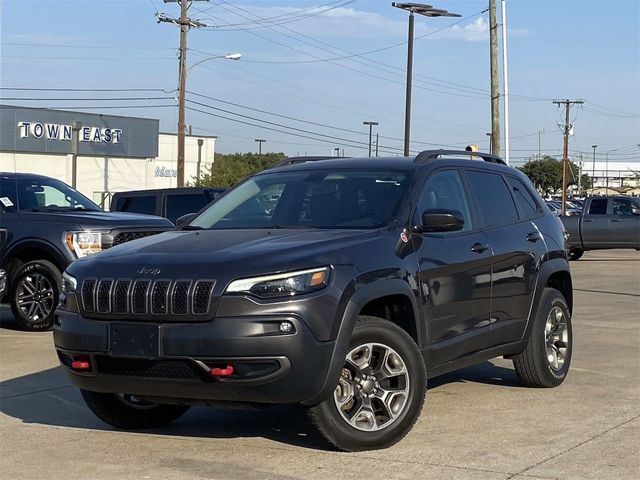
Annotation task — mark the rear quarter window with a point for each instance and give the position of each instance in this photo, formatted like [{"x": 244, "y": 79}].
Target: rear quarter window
[{"x": 137, "y": 204}]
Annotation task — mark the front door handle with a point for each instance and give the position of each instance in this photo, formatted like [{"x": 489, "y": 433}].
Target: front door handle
[
  {"x": 533, "y": 237},
  {"x": 479, "y": 247},
  {"x": 615, "y": 220},
  {"x": 586, "y": 220}
]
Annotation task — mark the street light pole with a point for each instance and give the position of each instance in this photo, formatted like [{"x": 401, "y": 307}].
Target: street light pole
[
  {"x": 427, "y": 11},
  {"x": 490, "y": 135},
  {"x": 260, "y": 142},
  {"x": 371, "y": 124},
  {"x": 593, "y": 171},
  {"x": 75, "y": 138},
  {"x": 200, "y": 143}
]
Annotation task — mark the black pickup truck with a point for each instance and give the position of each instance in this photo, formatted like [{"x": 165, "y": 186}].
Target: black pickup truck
[
  {"x": 49, "y": 225},
  {"x": 605, "y": 222}
]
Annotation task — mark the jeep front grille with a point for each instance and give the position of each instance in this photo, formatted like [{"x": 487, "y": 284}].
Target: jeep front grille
[{"x": 154, "y": 299}]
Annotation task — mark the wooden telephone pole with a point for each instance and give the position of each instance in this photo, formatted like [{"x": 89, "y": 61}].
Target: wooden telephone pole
[
  {"x": 495, "y": 83},
  {"x": 565, "y": 151},
  {"x": 185, "y": 23}
]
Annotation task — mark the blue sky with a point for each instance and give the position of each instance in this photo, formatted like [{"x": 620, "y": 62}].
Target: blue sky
[{"x": 293, "y": 72}]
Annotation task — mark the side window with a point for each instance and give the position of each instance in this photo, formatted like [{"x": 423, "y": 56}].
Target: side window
[
  {"x": 493, "y": 198},
  {"x": 179, "y": 205},
  {"x": 444, "y": 190},
  {"x": 142, "y": 204},
  {"x": 598, "y": 206},
  {"x": 8, "y": 201},
  {"x": 623, "y": 206},
  {"x": 528, "y": 206}
]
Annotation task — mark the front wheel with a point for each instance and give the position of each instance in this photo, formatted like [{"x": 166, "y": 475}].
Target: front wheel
[
  {"x": 380, "y": 392},
  {"x": 34, "y": 295},
  {"x": 129, "y": 412},
  {"x": 545, "y": 360}
]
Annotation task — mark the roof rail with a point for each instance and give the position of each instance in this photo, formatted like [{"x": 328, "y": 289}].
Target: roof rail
[
  {"x": 432, "y": 155},
  {"x": 296, "y": 160}
]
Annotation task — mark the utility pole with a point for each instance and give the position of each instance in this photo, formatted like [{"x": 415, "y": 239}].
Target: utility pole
[
  {"x": 505, "y": 81},
  {"x": 371, "y": 124},
  {"x": 495, "y": 83},
  {"x": 260, "y": 142},
  {"x": 540, "y": 132},
  {"x": 376, "y": 144},
  {"x": 565, "y": 151},
  {"x": 185, "y": 23}
]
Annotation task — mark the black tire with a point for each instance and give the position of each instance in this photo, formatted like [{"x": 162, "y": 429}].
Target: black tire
[
  {"x": 39, "y": 315},
  {"x": 575, "y": 254},
  {"x": 327, "y": 416},
  {"x": 128, "y": 413},
  {"x": 534, "y": 365}
]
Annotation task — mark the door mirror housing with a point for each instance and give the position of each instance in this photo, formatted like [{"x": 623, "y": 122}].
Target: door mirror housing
[
  {"x": 184, "y": 219},
  {"x": 441, "y": 220}
]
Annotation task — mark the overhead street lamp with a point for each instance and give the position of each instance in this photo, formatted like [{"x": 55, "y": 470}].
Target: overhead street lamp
[
  {"x": 181, "y": 109},
  {"x": 228, "y": 56},
  {"x": 260, "y": 142},
  {"x": 427, "y": 11},
  {"x": 371, "y": 124}
]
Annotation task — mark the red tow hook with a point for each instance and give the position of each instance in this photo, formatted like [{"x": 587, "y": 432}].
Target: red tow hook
[
  {"x": 81, "y": 363},
  {"x": 222, "y": 372}
]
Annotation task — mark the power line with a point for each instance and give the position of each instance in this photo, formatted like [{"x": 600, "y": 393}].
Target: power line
[{"x": 40, "y": 89}]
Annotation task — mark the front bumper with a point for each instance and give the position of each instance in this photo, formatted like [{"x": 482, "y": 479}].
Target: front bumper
[{"x": 269, "y": 366}]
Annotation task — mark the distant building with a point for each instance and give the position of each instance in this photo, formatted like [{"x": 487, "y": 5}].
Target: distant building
[{"x": 115, "y": 153}]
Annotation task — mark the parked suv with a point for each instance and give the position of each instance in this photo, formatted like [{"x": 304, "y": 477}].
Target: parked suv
[
  {"x": 338, "y": 284},
  {"x": 171, "y": 203},
  {"x": 49, "y": 225}
]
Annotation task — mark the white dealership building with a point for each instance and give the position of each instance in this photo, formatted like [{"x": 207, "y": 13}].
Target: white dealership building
[{"x": 114, "y": 153}]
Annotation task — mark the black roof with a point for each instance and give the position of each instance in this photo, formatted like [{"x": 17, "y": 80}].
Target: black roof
[{"x": 24, "y": 175}]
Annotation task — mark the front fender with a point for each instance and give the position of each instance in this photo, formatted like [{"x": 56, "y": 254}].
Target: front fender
[{"x": 357, "y": 299}]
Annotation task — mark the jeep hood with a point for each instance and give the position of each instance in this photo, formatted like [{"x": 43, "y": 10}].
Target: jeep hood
[{"x": 223, "y": 253}]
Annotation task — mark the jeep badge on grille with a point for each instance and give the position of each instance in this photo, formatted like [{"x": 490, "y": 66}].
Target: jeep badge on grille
[{"x": 154, "y": 272}]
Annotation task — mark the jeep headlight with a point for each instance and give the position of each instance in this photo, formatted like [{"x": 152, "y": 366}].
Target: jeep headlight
[
  {"x": 69, "y": 283},
  {"x": 84, "y": 243},
  {"x": 282, "y": 284}
]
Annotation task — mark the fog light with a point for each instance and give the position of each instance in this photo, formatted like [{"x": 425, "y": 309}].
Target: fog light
[{"x": 286, "y": 327}]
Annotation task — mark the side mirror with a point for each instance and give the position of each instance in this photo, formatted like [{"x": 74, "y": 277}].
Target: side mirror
[
  {"x": 635, "y": 210},
  {"x": 184, "y": 219},
  {"x": 441, "y": 220}
]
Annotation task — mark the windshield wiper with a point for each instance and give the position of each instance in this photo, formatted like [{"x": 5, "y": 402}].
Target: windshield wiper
[{"x": 192, "y": 227}]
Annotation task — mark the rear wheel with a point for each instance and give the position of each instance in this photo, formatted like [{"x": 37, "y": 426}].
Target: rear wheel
[
  {"x": 129, "y": 412},
  {"x": 35, "y": 288},
  {"x": 546, "y": 359},
  {"x": 380, "y": 392}
]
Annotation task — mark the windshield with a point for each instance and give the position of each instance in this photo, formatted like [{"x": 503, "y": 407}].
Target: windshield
[
  {"x": 310, "y": 199},
  {"x": 49, "y": 194}
]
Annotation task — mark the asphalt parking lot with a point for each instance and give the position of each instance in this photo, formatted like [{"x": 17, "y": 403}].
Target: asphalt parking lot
[{"x": 478, "y": 423}]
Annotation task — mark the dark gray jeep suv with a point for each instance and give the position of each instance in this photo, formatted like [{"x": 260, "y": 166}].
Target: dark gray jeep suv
[{"x": 338, "y": 284}]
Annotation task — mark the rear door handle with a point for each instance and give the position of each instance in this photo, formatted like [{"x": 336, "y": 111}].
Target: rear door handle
[
  {"x": 586, "y": 220},
  {"x": 479, "y": 247},
  {"x": 615, "y": 220},
  {"x": 533, "y": 237}
]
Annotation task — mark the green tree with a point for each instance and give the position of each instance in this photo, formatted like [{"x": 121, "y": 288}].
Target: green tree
[
  {"x": 229, "y": 169},
  {"x": 546, "y": 174}
]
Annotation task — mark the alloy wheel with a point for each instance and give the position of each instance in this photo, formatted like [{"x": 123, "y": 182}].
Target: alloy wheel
[
  {"x": 556, "y": 338},
  {"x": 35, "y": 297},
  {"x": 373, "y": 389}
]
